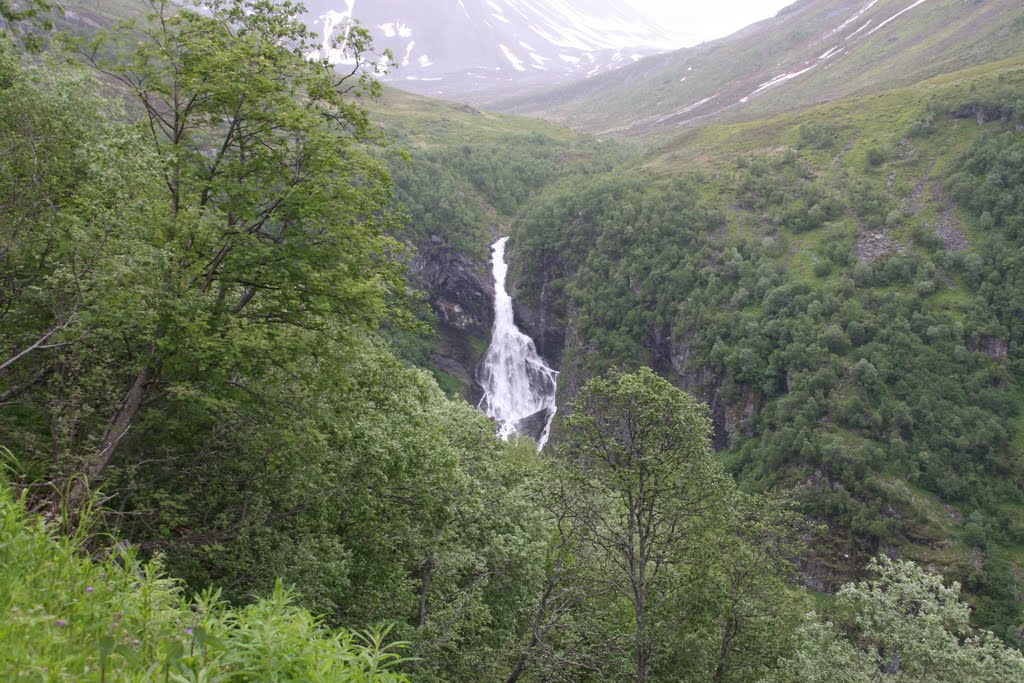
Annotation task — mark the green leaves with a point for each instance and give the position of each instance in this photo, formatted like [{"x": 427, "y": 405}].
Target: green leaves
[
  {"x": 653, "y": 528},
  {"x": 65, "y": 614},
  {"x": 904, "y": 624}
]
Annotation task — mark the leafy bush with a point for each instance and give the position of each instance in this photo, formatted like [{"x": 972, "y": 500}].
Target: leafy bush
[{"x": 67, "y": 617}]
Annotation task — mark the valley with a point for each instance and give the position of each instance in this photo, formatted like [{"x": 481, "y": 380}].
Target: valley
[
  {"x": 778, "y": 278},
  {"x": 750, "y": 261}
]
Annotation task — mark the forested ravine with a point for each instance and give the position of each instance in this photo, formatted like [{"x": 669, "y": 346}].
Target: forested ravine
[{"x": 518, "y": 386}]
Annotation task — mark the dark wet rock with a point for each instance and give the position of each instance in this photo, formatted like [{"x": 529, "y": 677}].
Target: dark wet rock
[
  {"x": 533, "y": 425},
  {"x": 541, "y": 318},
  {"x": 461, "y": 293},
  {"x": 993, "y": 347},
  {"x": 547, "y": 333}
]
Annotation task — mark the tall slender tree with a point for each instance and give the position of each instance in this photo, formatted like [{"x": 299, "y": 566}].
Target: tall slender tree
[{"x": 652, "y": 491}]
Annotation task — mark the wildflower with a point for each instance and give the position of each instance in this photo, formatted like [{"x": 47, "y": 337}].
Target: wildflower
[
  {"x": 61, "y": 622},
  {"x": 88, "y": 589},
  {"x": 189, "y": 630}
]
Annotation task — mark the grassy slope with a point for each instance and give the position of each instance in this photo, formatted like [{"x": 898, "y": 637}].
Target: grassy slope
[
  {"x": 935, "y": 37},
  {"x": 421, "y": 122}
]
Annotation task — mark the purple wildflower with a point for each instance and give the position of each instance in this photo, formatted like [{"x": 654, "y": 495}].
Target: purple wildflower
[
  {"x": 88, "y": 589},
  {"x": 189, "y": 630},
  {"x": 61, "y": 622}
]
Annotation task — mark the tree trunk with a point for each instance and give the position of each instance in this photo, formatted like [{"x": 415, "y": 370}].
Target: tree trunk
[
  {"x": 426, "y": 577},
  {"x": 643, "y": 656},
  {"x": 723, "y": 651},
  {"x": 520, "y": 668},
  {"x": 120, "y": 425}
]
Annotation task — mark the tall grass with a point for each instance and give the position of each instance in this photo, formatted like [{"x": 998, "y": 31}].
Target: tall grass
[{"x": 65, "y": 616}]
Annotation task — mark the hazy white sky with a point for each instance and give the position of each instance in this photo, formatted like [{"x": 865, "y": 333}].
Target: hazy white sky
[{"x": 694, "y": 21}]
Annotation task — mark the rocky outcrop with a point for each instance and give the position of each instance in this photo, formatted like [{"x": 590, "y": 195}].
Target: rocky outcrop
[
  {"x": 871, "y": 244},
  {"x": 534, "y": 425},
  {"x": 993, "y": 347},
  {"x": 541, "y": 319},
  {"x": 547, "y": 333},
  {"x": 461, "y": 293},
  {"x": 675, "y": 358}
]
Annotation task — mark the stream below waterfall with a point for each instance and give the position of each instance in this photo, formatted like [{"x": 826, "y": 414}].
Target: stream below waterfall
[{"x": 518, "y": 386}]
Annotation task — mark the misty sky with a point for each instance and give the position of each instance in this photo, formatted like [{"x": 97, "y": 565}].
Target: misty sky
[{"x": 694, "y": 21}]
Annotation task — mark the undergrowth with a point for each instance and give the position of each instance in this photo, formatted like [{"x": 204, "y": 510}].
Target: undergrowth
[{"x": 65, "y": 616}]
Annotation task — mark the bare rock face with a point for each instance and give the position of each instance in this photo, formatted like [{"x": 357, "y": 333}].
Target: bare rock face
[
  {"x": 461, "y": 294},
  {"x": 994, "y": 347},
  {"x": 548, "y": 335},
  {"x": 533, "y": 425},
  {"x": 541, "y": 321}
]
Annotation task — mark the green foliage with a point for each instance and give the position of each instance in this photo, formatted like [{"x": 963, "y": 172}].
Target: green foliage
[
  {"x": 903, "y": 625},
  {"x": 69, "y": 617},
  {"x": 202, "y": 252},
  {"x": 819, "y": 135},
  {"x": 852, "y": 352},
  {"x": 868, "y": 381},
  {"x": 660, "y": 568},
  {"x": 462, "y": 191},
  {"x": 190, "y": 307},
  {"x": 26, "y": 21},
  {"x": 189, "y": 315}
]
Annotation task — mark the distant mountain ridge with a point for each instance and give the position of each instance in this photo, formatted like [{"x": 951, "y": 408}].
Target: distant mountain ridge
[
  {"x": 460, "y": 49},
  {"x": 812, "y": 51}
]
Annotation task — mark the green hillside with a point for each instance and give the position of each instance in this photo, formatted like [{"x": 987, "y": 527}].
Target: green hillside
[
  {"x": 721, "y": 80},
  {"x": 765, "y": 265},
  {"x": 842, "y": 286}
]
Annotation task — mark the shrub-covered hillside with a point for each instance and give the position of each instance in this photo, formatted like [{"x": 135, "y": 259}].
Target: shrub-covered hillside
[{"x": 844, "y": 287}]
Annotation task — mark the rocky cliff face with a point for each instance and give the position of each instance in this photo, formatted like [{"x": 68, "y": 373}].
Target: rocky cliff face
[
  {"x": 673, "y": 358},
  {"x": 548, "y": 322},
  {"x": 544, "y": 327},
  {"x": 461, "y": 293}
]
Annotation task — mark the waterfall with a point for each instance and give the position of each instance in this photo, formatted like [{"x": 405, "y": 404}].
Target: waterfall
[{"x": 519, "y": 387}]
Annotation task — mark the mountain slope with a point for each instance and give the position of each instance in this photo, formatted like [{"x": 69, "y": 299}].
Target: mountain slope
[
  {"x": 812, "y": 51},
  {"x": 842, "y": 286},
  {"x": 461, "y": 49}
]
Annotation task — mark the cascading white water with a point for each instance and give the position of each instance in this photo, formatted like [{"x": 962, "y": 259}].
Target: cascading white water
[{"x": 518, "y": 385}]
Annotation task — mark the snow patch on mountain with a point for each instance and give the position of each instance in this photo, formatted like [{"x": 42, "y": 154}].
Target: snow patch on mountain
[
  {"x": 335, "y": 21},
  {"x": 855, "y": 17},
  {"x": 866, "y": 24},
  {"x": 685, "y": 110},
  {"x": 517, "y": 63},
  {"x": 778, "y": 80},
  {"x": 542, "y": 41},
  {"x": 894, "y": 16},
  {"x": 408, "y": 52},
  {"x": 833, "y": 51}
]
